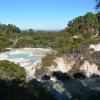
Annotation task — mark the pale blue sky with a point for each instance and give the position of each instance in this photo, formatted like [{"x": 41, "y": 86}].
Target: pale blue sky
[{"x": 43, "y": 14}]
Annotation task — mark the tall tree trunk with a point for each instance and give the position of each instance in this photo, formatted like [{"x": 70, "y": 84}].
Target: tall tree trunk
[{"x": 99, "y": 23}]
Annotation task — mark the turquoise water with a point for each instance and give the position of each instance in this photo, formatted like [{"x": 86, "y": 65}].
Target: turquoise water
[
  {"x": 21, "y": 55},
  {"x": 25, "y": 56}
]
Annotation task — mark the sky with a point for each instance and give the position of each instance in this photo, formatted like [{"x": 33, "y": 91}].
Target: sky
[{"x": 43, "y": 14}]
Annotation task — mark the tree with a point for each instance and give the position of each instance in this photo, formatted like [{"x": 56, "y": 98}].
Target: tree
[
  {"x": 31, "y": 31},
  {"x": 98, "y": 8},
  {"x": 84, "y": 24},
  {"x": 97, "y": 4},
  {"x": 98, "y": 16}
]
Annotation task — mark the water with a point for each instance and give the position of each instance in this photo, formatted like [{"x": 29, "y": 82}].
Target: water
[
  {"x": 25, "y": 56},
  {"x": 21, "y": 55}
]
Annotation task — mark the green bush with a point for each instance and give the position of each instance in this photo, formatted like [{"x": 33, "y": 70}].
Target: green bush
[{"x": 11, "y": 71}]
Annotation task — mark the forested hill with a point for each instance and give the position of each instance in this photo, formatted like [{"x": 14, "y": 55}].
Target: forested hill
[
  {"x": 83, "y": 27},
  {"x": 9, "y": 29},
  {"x": 88, "y": 23}
]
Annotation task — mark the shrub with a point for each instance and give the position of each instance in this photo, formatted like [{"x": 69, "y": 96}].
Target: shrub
[{"x": 11, "y": 71}]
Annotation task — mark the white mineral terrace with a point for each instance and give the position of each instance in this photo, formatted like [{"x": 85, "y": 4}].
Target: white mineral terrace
[{"x": 25, "y": 57}]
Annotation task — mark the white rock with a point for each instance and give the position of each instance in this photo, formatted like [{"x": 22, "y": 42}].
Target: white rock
[
  {"x": 3, "y": 56},
  {"x": 76, "y": 36},
  {"x": 53, "y": 79},
  {"x": 89, "y": 69},
  {"x": 95, "y": 47},
  {"x": 63, "y": 65}
]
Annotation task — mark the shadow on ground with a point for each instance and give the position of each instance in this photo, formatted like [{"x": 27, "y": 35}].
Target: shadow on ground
[{"x": 65, "y": 88}]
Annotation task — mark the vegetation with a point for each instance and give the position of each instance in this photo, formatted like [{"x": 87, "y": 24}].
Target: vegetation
[
  {"x": 47, "y": 61},
  {"x": 5, "y": 43},
  {"x": 97, "y": 4},
  {"x": 12, "y": 90},
  {"x": 74, "y": 39},
  {"x": 13, "y": 84},
  {"x": 83, "y": 27},
  {"x": 84, "y": 24},
  {"x": 11, "y": 71},
  {"x": 9, "y": 29}
]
